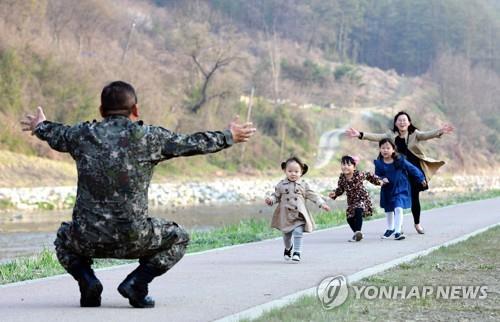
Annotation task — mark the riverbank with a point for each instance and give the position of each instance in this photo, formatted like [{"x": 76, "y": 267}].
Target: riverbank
[
  {"x": 45, "y": 264},
  {"x": 224, "y": 191}
]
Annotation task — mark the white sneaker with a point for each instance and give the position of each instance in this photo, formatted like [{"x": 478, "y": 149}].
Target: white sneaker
[{"x": 296, "y": 257}]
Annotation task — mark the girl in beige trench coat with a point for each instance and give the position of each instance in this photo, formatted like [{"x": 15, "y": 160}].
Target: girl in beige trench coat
[
  {"x": 407, "y": 139},
  {"x": 291, "y": 216}
]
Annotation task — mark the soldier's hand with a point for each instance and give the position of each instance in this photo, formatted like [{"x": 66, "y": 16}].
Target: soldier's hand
[
  {"x": 241, "y": 132},
  {"x": 325, "y": 207},
  {"x": 30, "y": 122}
]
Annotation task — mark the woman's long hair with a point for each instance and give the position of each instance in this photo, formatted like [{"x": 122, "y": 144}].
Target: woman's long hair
[{"x": 411, "y": 128}]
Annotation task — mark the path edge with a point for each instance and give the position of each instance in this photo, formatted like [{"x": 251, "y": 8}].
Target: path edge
[{"x": 257, "y": 311}]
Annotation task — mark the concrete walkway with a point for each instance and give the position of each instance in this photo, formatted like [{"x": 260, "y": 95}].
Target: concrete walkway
[{"x": 214, "y": 284}]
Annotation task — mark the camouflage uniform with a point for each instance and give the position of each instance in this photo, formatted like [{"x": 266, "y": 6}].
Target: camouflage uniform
[{"x": 115, "y": 160}]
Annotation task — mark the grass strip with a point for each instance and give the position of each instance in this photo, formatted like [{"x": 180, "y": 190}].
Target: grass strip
[{"x": 471, "y": 263}]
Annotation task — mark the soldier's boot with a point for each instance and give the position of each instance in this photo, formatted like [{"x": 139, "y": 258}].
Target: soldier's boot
[
  {"x": 90, "y": 286},
  {"x": 135, "y": 286}
]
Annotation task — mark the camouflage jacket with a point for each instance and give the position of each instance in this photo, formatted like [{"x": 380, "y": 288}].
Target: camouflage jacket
[{"x": 115, "y": 159}]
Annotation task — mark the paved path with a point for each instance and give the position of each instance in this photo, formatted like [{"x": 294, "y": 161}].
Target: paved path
[{"x": 211, "y": 285}]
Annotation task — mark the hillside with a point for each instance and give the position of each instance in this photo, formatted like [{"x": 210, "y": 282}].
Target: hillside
[{"x": 59, "y": 54}]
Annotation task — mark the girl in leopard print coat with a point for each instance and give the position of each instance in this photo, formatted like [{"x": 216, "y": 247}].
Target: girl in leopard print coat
[{"x": 359, "y": 204}]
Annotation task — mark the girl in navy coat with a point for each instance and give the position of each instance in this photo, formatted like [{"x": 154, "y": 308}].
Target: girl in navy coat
[{"x": 395, "y": 195}]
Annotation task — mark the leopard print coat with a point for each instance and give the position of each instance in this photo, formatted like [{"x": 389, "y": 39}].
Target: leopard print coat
[{"x": 357, "y": 196}]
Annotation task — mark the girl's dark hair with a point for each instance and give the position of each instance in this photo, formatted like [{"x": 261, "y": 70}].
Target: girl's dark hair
[
  {"x": 395, "y": 154},
  {"x": 302, "y": 165},
  {"x": 411, "y": 128},
  {"x": 347, "y": 159}
]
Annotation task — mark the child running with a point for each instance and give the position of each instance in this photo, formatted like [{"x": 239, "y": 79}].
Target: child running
[
  {"x": 395, "y": 195},
  {"x": 291, "y": 216},
  {"x": 359, "y": 204}
]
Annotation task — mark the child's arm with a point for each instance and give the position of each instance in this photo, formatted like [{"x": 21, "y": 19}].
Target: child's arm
[
  {"x": 373, "y": 178},
  {"x": 415, "y": 172},
  {"x": 314, "y": 197},
  {"x": 379, "y": 172},
  {"x": 338, "y": 191},
  {"x": 274, "y": 198}
]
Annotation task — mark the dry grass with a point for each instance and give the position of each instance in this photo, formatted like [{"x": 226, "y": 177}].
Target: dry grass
[{"x": 19, "y": 170}]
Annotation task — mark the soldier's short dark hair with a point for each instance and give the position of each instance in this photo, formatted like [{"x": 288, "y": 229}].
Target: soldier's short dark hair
[{"x": 118, "y": 98}]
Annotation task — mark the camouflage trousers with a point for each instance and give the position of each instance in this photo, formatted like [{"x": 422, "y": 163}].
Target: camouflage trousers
[{"x": 162, "y": 246}]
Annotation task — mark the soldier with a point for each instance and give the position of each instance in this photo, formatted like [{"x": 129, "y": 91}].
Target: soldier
[{"x": 115, "y": 159}]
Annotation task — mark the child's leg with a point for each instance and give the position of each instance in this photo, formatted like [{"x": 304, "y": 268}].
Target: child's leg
[
  {"x": 297, "y": 239},
  {"x": 287, "y": 239},
  {"x": 389, "y": 216},
  {"x": 358, "y": 219},
  {"x": 352, "y": 223},
  {"x": 398, "y": 218}
]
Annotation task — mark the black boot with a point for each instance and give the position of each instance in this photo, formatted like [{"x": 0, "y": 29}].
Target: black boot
[
  {"x": 90, "y": 286},
  {"x": 135, "y": 286}
]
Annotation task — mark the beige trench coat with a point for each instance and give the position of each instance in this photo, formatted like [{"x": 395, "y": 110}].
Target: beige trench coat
[
  {"x": 291, "y": 211},
  {"x": 428, "y": 165}
]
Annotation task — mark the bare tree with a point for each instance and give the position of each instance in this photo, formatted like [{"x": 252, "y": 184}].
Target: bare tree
[
  {"x": 208, "y": 55},
  {"x": 275, "y": 60},
  {"x": 469, "y": 98},
  {"x": 91, "y": 16},
  {"x": 24, "y": 17},
  {"x": 59, "y": 14},
  {"x": 208, "y": 74}
]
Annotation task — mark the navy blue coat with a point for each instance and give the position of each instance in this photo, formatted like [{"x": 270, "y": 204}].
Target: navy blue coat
[{"x": 397, "y": 193}]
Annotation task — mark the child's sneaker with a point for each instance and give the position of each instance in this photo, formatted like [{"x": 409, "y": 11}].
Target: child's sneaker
[
  {"x": 352, "y": 239},
  {"x": 387, "y": 233},
  {"x": 288, "y": 254},
  {"x": 399, "y": 236},
  {"x": 358, "y": 236},
  {"x": 296, "y": 257}
]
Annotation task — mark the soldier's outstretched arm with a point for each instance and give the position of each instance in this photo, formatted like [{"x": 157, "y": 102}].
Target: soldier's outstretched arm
[
  {"x": 56, "y": 134},
  {"x": 176, "y": 145}
]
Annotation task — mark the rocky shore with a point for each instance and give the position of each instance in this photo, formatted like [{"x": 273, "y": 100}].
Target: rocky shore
[{"x": 214, "y": 192}]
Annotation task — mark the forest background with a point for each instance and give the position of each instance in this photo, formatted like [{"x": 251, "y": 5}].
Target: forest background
[{"x": 313, "y": 66}]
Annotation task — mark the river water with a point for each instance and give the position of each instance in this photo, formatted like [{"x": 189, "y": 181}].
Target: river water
[
  {"x": 25, "y": 233},
  {"x": 28, "y": 232}
]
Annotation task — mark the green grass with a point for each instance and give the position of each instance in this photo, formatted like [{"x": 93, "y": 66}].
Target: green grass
[
  {"x": 248, "y": 230},
  {"x": 474, "y": 262},
  {"x": 6, "y": 204},
  {"x": 43, "y": 265}
]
